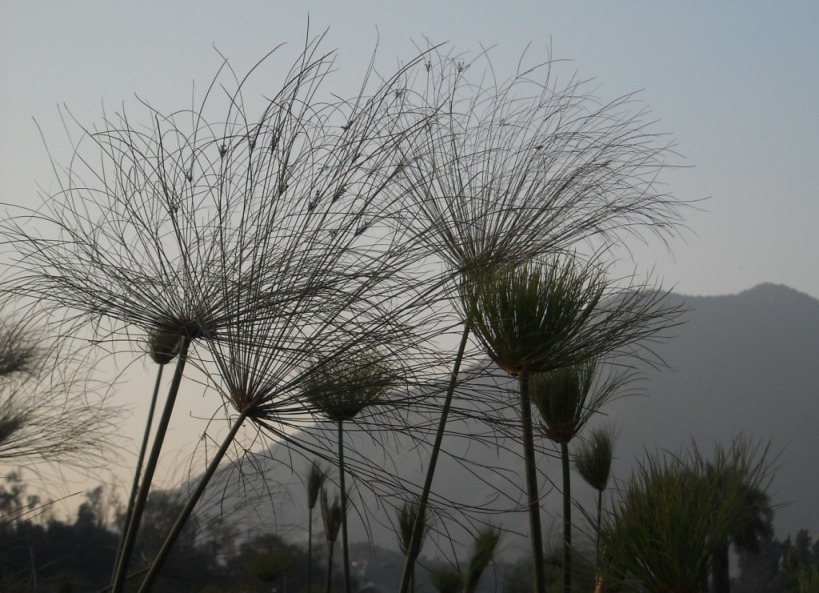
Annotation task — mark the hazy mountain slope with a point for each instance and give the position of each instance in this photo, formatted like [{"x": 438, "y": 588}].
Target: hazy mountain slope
[{"x": 742, "y": 363}]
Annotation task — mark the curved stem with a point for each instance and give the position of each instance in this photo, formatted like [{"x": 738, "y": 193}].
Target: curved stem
[
  {"x": 140, "y": 460},
  {"x": 535, "y": 534},
  {"x": 567, "y": 519},
  {"x": 418, "y": 528},
  {"x": 185, "y": 513},
  {"x": 150, "y": 468},
  {"x": 344, "y": 543}
]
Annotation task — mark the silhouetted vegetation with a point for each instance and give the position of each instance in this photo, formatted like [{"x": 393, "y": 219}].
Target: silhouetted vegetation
[
  {"x": 43, "y": 553},
  {"x": 309, "y": 261}
]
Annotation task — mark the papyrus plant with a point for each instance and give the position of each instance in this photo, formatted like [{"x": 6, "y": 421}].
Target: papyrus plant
[
  {"x": 315, "y": 276},
  {"x": 447, "y": 578},
  {"x": 593, "y": 462},
  {"x": 339, "y": 390},
  {"x": 315, "y": 482},
  {"x": 677, "y": 511},
  {"x": 566, "y": 399},
  {"x": 198, "y": 221},
  {"x": 407, "y": 517},
  {"x": 541, "y": 317},
  {"x": 511, "y": 169},
  {"x": 52, "y": 409},
  {"x": 333, "y": 515}
]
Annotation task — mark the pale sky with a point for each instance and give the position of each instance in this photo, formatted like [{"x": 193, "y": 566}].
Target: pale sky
[{"x": 735, "y": 83}]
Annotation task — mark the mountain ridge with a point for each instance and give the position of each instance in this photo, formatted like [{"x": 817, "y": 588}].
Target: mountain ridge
[{"x": 741, "y": 364}]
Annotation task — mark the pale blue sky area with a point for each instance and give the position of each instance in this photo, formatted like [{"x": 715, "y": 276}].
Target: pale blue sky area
[{"x": 736, "y": 83}]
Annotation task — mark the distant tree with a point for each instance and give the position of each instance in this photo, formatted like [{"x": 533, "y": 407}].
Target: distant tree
[
  {"x": 517, "y": 576},
  {"x": 265, "y": 561},
  {"x": 753, "y": 506},
  {"x": 806, "y": 580},
  {"x": 191, "y": 563},
  {"x": 801, "y": 564},
  {"x": 52, "y": 553},
  {"x": 759, "y": 572},
  {"x": 14, "y": 500},
  {"x": 748, "y": 536}
]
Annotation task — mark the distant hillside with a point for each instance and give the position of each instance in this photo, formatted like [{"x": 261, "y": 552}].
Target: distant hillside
[{"x": 745, "y": 363}]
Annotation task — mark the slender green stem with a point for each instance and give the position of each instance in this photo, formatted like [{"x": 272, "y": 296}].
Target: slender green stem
[
  {"x": 345, "y": 549},
  {"x": 150, "y": 468},
  {"x": 599, "y": 525},
  {"x": 107, "y": 588},
  {"x": 186, "y": 512},
  {"x": 330, "y": 566},
  {"x": 535, "y": 534},
  {"x": 567, "y": 519},
  {"x": 414, "y": 547},
  {"x": 140, "y": 460},
  {"x": 309, "y": 548}
]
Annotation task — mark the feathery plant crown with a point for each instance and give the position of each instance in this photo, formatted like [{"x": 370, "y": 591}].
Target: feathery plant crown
[
  {"x": 483, "y": 552},
  {"x": 593, "y": 459},
  {"x": 560, "y": 397},
  {"x": 446, "y": 578},
  {"x": 543, "y": 316},
  {"x": 21, "y": 351},
  {"x": 567, "y": 397},
  {"x": 407, "y": 516},
  {"x": 527, "y": 316},
  {"x": 341, "y": 388},
  {"x": 157, "y": 227},
  {"x": 518, "y": 168},
  {"x": 47, "y": 387},
  {"x": 332, "y": 514},
  {"x": 315, "y": 482}
]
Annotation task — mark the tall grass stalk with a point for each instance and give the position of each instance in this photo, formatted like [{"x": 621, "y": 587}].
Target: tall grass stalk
[
  {"x": 315, "y": 481},
  {"x": 567, "y": 398},
  {"x": 593, "y": 463},
  {"x": 340, "y": 390},
  {"x": 159, "y": 561},
  {"x": 130, "y": 534}
]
